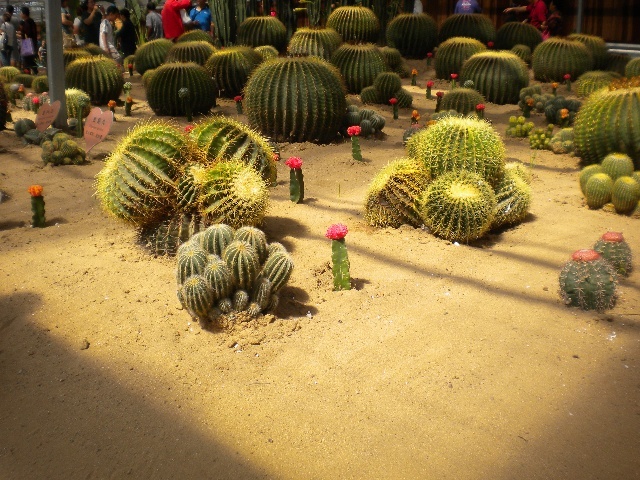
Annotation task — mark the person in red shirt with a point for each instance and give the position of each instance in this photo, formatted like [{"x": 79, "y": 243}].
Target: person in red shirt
[
  {"x": 171, "y": 19},
  {"x": 537, "y": 11}
]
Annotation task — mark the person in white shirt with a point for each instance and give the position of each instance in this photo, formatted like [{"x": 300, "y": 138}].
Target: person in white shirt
[{"x": 107, "y": 38}]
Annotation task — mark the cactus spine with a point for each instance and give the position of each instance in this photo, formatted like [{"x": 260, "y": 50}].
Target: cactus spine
[
  {"x": 192, "y": 260},
  {"x": 196, "y": 296},
  {"x": 598, "y": 190},
  {"x": 617, "y": 165},
  {"x": 588, "y": 281}
]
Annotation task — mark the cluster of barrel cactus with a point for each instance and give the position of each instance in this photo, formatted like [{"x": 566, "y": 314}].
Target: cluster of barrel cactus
[
  {"x": 540, "y": 138},
  {"x": 225, "y": 272},
  {"x": 369, "y": 121},
  {"x": 62, "y": 150},
  {"x": 613, "y": 180},
  {"x": 386, "y": 85}
]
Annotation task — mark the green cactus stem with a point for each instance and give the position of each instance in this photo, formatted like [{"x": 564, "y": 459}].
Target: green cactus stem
[
  {"x": 256, "y": 238},
  {"x": 616, "y": 251},
  {"x": 617, "y": 165},
  {"x": 216, "y": 237},
  {"x": 356, "y": 153},
  {"x": 588, "y": 281},
  {"x": 127, "y": 107},
  {"x": 37, "y": 207},
  {"x": 242, "y": 260},
  {"x": 340, "y": 260},
  {"x": 277, "y": 269},
  {"x": 192, "y": 260},
  {"x": 296, "y": 185}
]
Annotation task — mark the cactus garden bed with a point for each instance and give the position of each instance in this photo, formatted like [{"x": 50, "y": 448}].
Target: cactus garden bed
[{"x": 444, "y": 360}]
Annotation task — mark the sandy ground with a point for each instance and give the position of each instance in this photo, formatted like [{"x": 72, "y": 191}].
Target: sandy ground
[{"x": 446, "y": 362}]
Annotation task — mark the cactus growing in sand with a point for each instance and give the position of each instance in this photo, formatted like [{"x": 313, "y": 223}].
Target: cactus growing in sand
[
  {"x": 314, "y": 43},
  {"x": 625, "y": 194},
  {"x": 515, "y": 33},
  {"x": 513, "y": 199},
  {"x": 588, "y": 281},
  {"x": 414, "y": 35},
  {"x": 151, "y": 55},
  {"x": 196, "y": 52},
  {"x": 355, "y": 23},
  {"x": 296, "y": 100},
  {"x": 231, "y": 67},
  {"x": 452, "y": 54},
  {"x": 359, "y": 65},
  {"x": 557, "y": 57},
  {"x": 37, "y": 206},
  {"x": 462, "y": 100},
  {"x": 191, "y": 259},
  {"x": 78, "y": 103},
  {"x": 613, "y": 248},
  {"x": 598, "y": 190},
  {"x": 163, "y": 89},
  {"x": 499, "y": 76},
  {"x": 475, "y": 26},
  {"x": 98, "y": 76},
  {"x": 257, "y": 31}
]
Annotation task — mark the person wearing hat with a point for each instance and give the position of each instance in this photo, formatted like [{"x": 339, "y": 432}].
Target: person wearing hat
[{"x": 107, "y": 38}]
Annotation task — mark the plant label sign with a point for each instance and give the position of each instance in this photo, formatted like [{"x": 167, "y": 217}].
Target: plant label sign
[
  {"x": 97, "y": 126},
  {"x": 47, "y": 113}
]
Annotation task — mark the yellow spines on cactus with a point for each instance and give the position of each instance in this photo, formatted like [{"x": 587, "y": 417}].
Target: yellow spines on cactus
[
  {"x": 598, "y": 190},
  {"x": 625, "y": 194},
  {"x": 242, "y": 259}
]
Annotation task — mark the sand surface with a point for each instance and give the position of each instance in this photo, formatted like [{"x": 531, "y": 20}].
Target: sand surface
[{"x": 445, "y": 362}]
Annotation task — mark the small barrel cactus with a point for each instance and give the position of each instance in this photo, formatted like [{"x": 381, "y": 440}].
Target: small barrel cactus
[
  {"x": 598, "y": 190},
  {"x": 594, "y": 80},
  {"x": 586, "y": 173},
  {"x": 93, "y": 49},
  {"x": 458, "y": 206},
  {"x": 513, "y": 197},
  {"x": 196, "y": 52},
  {"x": 462, "y": 100},
  {"x": 163, "y": 89},
  {"x": 223, "y": 138},
  {"x": 242, "y": 259},
  {"x": 391, "y": 199},
  {"x": 216, "y": 238},
  {"x": 8, "y": 73},
  {"x": 24, "y": 79},
  {"x": 515, "y": 33},
  {"x": 196, "y": 296},
  {"x": 387, "y": 84},
  {"x": 455, "y": 143},
  {"x": 254, "y": 237},
  {"x": 414, "y": 35},
  {"x": 314, "y": 43},
  {"x": 277, "y": 269},
  {"x": 625, "y": 194},
  {"x": 137, "y": 182},
  {"x": 359, "y": 65},
  {"x": 166, "y": 236},
  {"x": 499, "y": 76},
  {"x": 231, "y": 67},
  {"x": 452, "y": 54},
  {"x": 523, "y": 51},
  {"x": 40, "y": 84},
  {"x": 556, "y": 57},
  {"x": 98, "y": 76},
  {"x": 613, "y": 248},
  {"x": 196, "y": 35},
  {"x": 597, "y": 48},
  {"x": 369, "y": 96},
  {"x": 296, "y": 100},
  {"x": 71, "y": 54},
  {"x": 617, "y": 165},
  {"x": 632, "y": 69},
  {"x": 588, "y": 281},
  {"x": 394, "y": 61},
  {"x": 476, "y": 26},
  {"x": 78, "y": 102},
  {"x": 617, "y": 62},
  {"x": 267, "y": 52},
  {"x": 192, "y": 259},
  {"x": 219, "y": 277},
  {"x": 257, "y": 31},
  {"x": 603, "y": 126},
  {"x": 151, "y": 54},
  {"x": 355, "y": 24}
]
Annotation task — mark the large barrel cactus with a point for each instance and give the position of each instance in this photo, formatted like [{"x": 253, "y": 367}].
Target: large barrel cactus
[
  {"x": 296, "y": 99},
  {"x": 355, "y": 24},
  {"x": 223, "y": 138},
  {"x": 231, "y": 67},
  {"x": 314, "y": 42},
  {"x": 138, "y": 180},
  {"x": 596, "y": 46},
  {"x": 359, "y": 65},
  {"x": 391, "y": 200},
  {"x": 556, "y": 57},
  {"x": 515, "y": 33},
  {"x": 185, "y": 52},
  {"x": 98, "y": 76},
  {"x": 257, "y": 31},
  {"x": 167, "y": 80},
  {"x": 196, "y": 35},
  {"x": 413, "y": 35},
  {"x": 456, "y": 143},
  {"x": 71, "y": 54},
  {"x": 151, "y": 54},
  {"x": 462, "y": 100},
  {"x": 477, "y": 26},
  {"x": 7, "y": 73},
  {"x": 499, "y": 76},
  {"x": 608, "y": 122},
  {"x": 452, "y": 54},
  {"x": 589, "y": 82}
]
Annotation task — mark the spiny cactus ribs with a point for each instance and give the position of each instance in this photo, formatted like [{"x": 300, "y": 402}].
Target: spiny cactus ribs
[
  {"x": 225, "y": 272},
  {"x": 588, "y": 281}
]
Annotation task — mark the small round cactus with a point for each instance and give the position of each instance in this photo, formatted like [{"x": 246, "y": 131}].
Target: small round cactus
[
  {"x": 453, "y": 53},
  {"x": 586, "y": 173},
  {"x": 192, "y": 259},
  {"x": 218, "y": 277},
  {"x": 264, "y": 30},
  {"x": 231, "y": 67},
  {"x": 598, "y": 190},
  {"x": 625, "y": 194},
  {"x": 196, "y": 35},
  {"x": 556, "y": 57},
  {"x": 359, "y": 65},
  {"x": 216, "y": 237},
  {"x": 277, "y": 269},
  {"x": 515, "y": 33},
  {"x": 196, "y": 296},
  {"x": 616, "y": 251},
  {"x": 617, "y": 165},
  {"x": 98, "y": 76},
  {"x": 254, "y": 237},
  {"x": 513, "y": 197},
  {"x": 459, "y": 206},
  {"x": 462, "y": 100},
  {"x": 242, "y": 259},
  {"x": 588, "y": 281},
  {"x": 475, "y": 26}
]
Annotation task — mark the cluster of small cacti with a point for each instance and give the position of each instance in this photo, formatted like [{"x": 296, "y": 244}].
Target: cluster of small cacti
[
  {"x": 499, "y": 76},
  {"x": 386, "y": 85},
  {"x": 231, "y": 67},
  {"x": 355, "y": 23},
  {"x": 613, "y": 180},
  {"x": 369, "y": 121},
  {"x": 603, "y": 125},
  {"x": 32, "y": 102},
  {"x": 452, "y": 54},
  {"x": 296, "y": 99},
  {"x": 540, "y": 138},
  {"x": 359, "y": 65},
  {"x": 589, "y": 82},
  {"x": 62, "y": 150},
  {"x": 478, "y": 27},
  {"x": 562, "y": 142},
  {"x": 163, "y": 89},
  {"x": 519, "y": 127},
  {"x": 22, "y": 126},
  {"x": 221, "y": 272},
  {"x": 414, "y": 35},
  {"x": 462, "y": 100},
  {"x": 185, "y": 52},
  {"x": 561, "y": 111},
  {"x": 314, "y": 42},
  {"x": 98, "y": 76},
  {"x": 532, "y": 99},
  {"x": 515, "y": 33},
  {"x": 262, "y": 30},
  {"x": 557, "y": 57}
]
